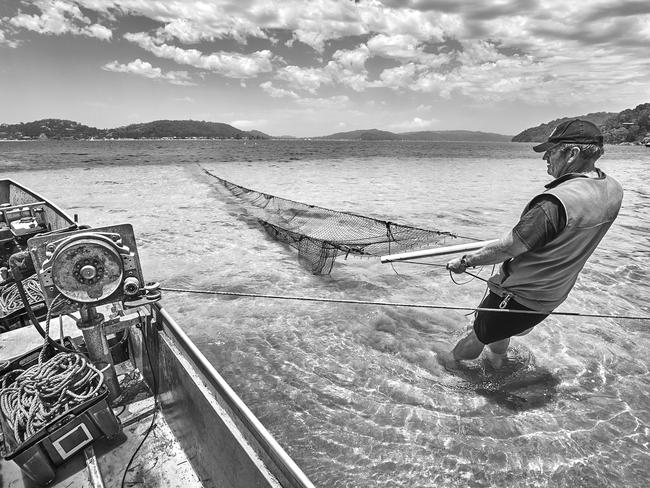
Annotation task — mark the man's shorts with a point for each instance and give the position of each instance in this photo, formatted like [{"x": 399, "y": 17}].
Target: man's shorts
[{"x": 495, "y": 326}]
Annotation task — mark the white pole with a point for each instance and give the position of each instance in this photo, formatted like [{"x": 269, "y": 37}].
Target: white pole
[{"x": 439, "y": 251}]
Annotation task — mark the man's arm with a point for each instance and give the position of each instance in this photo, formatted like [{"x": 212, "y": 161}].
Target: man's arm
[
  {"x": 509, "y": 246},
  {"x": 543, "y": 221}
]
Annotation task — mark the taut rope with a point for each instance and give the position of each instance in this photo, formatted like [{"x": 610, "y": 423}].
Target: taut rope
[{"x": 392, "y": 304}]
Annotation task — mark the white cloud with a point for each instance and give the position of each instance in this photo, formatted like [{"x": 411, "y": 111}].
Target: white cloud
[
  {"x": 229, "y": 64},
  {"x": 210, "y": 24},
  {"x": 6, "y": 42},
  {"x": 60, "y": 17},
  {"x": 415, "y": 124},
  {"x": 145, "y": 69},
  {"x": 268, "y": 87},
  {"x": 398, "y": 77},
  {"x": 482, "y": 50},
  {"x": 308, "y": 79},
  {"x": 397, "y": 46},
  {"x": 98, "y": 31},
  {"x": 348, "y": 67}
]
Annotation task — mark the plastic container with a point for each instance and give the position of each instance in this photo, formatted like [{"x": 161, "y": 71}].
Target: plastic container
[{"x": 51, "y": 446}]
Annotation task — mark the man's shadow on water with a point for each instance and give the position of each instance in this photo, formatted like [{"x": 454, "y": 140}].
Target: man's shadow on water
[{"x": 519, "y": 385}]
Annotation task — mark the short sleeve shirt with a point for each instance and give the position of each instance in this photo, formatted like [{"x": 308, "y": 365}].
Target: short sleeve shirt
[{"x": 543, "y": 221}]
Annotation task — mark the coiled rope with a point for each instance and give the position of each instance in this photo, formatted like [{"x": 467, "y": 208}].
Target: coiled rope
[
  {"x": 394, "y": 304},
  {"x": 32, "y": 398},
  {"x": 10, "y": 299}
]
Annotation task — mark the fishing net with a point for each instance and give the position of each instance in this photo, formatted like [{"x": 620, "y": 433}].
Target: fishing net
[{"x": 321, "y": 235}]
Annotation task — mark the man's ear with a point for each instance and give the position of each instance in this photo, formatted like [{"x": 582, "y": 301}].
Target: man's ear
[{"x": 574, "y": 154}]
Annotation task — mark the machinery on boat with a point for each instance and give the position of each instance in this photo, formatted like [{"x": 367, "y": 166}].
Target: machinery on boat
[
  {"x": 93, "y": 279},
  {"x": 23, "y": 215}
]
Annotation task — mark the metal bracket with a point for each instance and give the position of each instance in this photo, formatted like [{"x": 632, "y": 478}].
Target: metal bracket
[{"x": 123, "y": 322}]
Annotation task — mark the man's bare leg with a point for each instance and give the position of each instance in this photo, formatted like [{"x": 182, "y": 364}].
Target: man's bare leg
[
  {"x": 469, "y": 347},
  {"x": 496, "y": 352}
]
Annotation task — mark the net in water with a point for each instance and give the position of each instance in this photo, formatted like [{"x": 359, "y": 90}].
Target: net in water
[{"x": 321, "y": 235}]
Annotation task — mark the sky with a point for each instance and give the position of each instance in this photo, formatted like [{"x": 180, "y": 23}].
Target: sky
[{"x": 315, "y": 67}]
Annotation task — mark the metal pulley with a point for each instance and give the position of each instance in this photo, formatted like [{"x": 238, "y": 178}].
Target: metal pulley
[{"x": 89, "y": 267}]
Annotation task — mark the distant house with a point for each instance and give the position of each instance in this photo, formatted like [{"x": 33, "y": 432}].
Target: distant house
[{"x": 43, "y": 136}]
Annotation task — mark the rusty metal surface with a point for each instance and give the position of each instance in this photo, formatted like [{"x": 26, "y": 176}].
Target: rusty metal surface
[{"x": 87, "y": 270}]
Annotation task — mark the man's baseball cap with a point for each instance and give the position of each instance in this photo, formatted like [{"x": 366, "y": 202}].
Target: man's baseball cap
[{"x": 572, "y": 131}]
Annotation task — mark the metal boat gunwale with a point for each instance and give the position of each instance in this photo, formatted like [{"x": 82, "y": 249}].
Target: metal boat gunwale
[
  {"x": 5, "y": 189},
  {"x": 287, "y": 466}
]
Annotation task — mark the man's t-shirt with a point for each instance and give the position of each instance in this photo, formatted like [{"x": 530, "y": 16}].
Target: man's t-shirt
[
  {"x": 543, "y": 221},
  {"x": 546, "y": 217}
]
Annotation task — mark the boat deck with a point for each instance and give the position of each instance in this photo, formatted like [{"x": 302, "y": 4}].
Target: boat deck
[{"x": 160, "y": 462}]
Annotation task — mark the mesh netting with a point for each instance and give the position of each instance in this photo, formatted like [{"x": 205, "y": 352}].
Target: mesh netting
[{"x": 320, "y": 234}]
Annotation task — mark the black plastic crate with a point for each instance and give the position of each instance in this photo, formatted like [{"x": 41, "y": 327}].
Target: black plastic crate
[{"x": 39, "y": 455}]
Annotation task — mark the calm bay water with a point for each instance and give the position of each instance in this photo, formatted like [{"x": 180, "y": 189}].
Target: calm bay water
[{"x": 354, "y": 392}]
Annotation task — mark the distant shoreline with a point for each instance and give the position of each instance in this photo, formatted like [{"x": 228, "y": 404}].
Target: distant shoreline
[{"x": 301, "y": 139}]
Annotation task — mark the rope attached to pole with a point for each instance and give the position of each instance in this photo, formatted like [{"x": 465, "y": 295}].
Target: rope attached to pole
[{"x": 393, "y": 304}]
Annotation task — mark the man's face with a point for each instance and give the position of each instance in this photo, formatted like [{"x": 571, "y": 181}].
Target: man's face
[{"x": 556, "y": 161}]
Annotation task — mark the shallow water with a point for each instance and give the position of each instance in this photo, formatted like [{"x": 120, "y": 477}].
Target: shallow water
[{"x": 354, "y": 392}]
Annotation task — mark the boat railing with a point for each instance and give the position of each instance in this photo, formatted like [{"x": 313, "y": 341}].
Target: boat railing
[{"x": 273, "y": 455}]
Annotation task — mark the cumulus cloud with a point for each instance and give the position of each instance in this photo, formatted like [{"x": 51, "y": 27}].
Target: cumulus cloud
[
  {"x": 60, "y": 17},
  {"x": 145, "y": 69},
  {"x": 229, "y": 64},
  {"x": 7, "y": 42},
  {"x": 483, "y": 50},
  {"x": 308, "y": 79},
  {"x": 398, "y": 77},
  {"x": 268, "y": 87}
]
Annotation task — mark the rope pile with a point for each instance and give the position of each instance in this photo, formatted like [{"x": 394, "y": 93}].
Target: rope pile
[
  {"x": 10, "y": 300},
  {"x": 32, "y": 398}
]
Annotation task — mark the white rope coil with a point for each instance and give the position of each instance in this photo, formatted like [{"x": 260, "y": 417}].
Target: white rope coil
[{"x": 32, "y": 398}]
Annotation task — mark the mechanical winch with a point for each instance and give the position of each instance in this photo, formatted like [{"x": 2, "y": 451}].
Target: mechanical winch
[
  {"x": 89, "y": 267},
  {"x": 83, "y": 269}
]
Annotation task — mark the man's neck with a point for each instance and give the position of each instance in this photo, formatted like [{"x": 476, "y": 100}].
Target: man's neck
[{"x": 588, "y": 169}]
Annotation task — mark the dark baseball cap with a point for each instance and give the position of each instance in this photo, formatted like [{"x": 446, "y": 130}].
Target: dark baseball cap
[{"x": 572, "y": 131}]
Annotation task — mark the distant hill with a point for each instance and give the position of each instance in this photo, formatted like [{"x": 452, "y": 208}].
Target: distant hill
[
  {"x": 631, "y": 126},
  {"x": 363, "y": 135},
  {"x": 259, "y": 134},
  {"x": 454, "y": 135},
  {"x": 443, "y": 135},
  {"x": 182, "y": 129},
  {"x": 542, "y": 131},
  {"x": 48, "y": 129}
]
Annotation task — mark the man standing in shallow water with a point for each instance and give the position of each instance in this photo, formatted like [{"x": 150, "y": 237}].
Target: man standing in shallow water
[{"x": 544, "y": 253}]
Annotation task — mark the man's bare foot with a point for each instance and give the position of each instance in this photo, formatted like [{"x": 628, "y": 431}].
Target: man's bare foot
[
  {"x": 496, "y": 360},
  {"x": 447, "y": 360}
]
